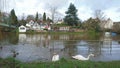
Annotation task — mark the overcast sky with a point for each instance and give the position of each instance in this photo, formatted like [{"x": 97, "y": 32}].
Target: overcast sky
[{"x": 86, "y": 8}]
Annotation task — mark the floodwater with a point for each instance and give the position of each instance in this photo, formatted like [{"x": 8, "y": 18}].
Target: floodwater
[{"x": 40, "y": 47}]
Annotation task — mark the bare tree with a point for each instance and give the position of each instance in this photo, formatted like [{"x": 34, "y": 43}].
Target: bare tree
[
  {"x": 4, "y": 5},
  {"x": 99, "y": 14},
  {"x": 22, "y": 21},
  {"x": 53, "y": 6},
  {"x": 53, "y": 11},
  {"x": 55, "y": 14},
  {"x": 30, "y": 17}
]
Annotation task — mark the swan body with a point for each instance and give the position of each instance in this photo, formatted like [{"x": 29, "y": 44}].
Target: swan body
[
  {"x": 80, "y": 57},
  {"x": 55, "y": 57}
]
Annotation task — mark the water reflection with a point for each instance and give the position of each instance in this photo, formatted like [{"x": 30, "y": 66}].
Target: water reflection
[{"x": 40, "y": 47}]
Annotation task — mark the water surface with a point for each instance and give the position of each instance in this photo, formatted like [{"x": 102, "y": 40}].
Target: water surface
[{"x": 40, "y": 47}]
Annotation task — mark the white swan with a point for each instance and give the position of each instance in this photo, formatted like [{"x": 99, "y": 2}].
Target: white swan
[
  {"x": 55, "y": 57},
  {"x": 80, "y": 57}
]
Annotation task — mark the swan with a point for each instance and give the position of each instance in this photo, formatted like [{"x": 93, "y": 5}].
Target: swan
[
  {"x": 55, "y": 57},
  {"x": 80, "y": 57}
]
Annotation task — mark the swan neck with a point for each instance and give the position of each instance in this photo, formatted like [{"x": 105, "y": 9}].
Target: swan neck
[{"x": 88, "y": 57}]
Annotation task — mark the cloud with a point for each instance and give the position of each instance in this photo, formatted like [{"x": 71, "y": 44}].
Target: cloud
[
  {"x": 85, "y": 7},
  {"x": 100, "y": 4},
  {"x": 84, "y": 12},
  {"x": 113, "y": 14},
  {"x": 118, "y": 9},
  {"x": 55, "y": 3},
  {"x": 30, "y": 7}
]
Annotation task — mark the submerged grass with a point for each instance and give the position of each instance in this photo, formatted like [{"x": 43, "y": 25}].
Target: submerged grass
[{"x": 63, "y": 63}]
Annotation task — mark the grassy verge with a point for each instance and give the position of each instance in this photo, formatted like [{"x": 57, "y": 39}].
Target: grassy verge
[
  {"x": 66, "y": 32},
  {"x": 63, "y": 63},
  {"x": 32, "y": 32}
]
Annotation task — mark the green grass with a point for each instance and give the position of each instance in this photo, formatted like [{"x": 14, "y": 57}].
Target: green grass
[
  {"x": 52, "y": 32},
  {"x": 63, "y": 63},
  {"x": 89, "y": 32},
  {"x": 8, "y": 63},
  {"x": 66, "y": 32}
]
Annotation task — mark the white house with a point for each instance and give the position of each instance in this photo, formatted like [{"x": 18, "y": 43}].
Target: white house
[
  {"x": 64, "y": 28},
  {"x": 36, "y": 26},
  {"x": 33, "y": 25},
  {"x": 59, "y": 22},
  {"x": 22, "y": 28},
  {"x": 30, "y": 24},
  {"x": 44, "y": 26},
  {"x": 107, "y": 24}
]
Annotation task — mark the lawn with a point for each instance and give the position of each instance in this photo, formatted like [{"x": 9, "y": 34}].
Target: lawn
[{"x": 63, "y": 63}]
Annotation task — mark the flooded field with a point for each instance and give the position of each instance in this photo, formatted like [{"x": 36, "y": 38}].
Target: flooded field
[{"x": 40, "y": 47}]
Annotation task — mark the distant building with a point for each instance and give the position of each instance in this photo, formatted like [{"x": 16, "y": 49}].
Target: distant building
[
  {"x": 30, "y": 24},
  {"x": 107, "y": 24},
  {"x": 116, "y": 27},
  {"x": 37, "y": 26},
  {"x": 45, "y": 26},
  {"x": 59, "y": 22},
  {"x": 64, "y": 28},
  {"x": 22, "y": 28}
]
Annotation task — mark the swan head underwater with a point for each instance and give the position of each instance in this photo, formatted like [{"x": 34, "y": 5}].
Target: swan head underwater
[{"x": 80, "y": 57}]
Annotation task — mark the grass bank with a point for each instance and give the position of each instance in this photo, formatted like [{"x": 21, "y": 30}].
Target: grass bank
[
  {"x": 51, "y": 32},
  {"x": 63, "y": 63}
]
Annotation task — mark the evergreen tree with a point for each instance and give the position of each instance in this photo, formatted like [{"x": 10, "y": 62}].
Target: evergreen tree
[
  {"x": 49, "y": 20},
  {"x": 44, "y": 17},
  {"x": 36, "y": 18},
  {"x": 13, "y": 18},
  {"x": 0, "y": 16},
  {"x": 0, "y": 13},
  {"x": 71, "y": 16}
]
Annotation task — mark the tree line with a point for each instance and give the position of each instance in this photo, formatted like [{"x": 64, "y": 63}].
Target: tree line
[{"x": 71, "y": 19}]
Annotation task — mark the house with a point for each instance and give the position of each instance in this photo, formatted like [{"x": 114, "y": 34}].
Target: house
[
  {"x": 33, "y": 25},
  {"x": 59, "y": 22},
  {"x": 44, "y": 26},
  {"x": 64, "y": 28},
  {"x": 107, "y": 24},
  {"x": 36, "y": 26},
  {"x": 30, "y": 24},
  {"x": 116, "y": 27},
  {"x": 22, "y": 28}
]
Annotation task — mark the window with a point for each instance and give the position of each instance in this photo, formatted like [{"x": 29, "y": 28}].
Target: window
[{"x": 22, "y": 28}]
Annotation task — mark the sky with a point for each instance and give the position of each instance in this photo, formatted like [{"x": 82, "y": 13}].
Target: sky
[{"x": 86, "y": 8}]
